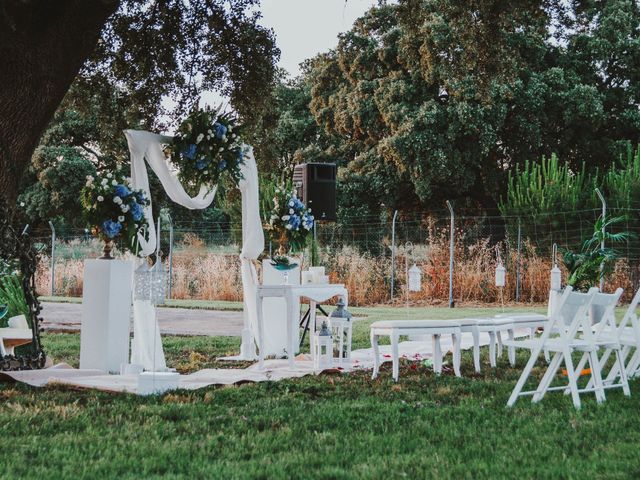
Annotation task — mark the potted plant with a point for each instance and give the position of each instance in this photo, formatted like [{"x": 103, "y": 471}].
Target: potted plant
[
  {"x": 593, "y": 262},
  {"x": 290, "y": 223}
]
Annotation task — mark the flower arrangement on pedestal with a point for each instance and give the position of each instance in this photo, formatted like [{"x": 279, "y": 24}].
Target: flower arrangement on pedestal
[
  {"x": 289, "y": 224},
  {"x": 114, "y": 210},
  {"x": 206, "y": 145}
]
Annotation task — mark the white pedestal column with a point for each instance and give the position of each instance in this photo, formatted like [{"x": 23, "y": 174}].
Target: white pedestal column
[
  {"x": 106, "y": 314},
  {"x": 275, "y": 311}
]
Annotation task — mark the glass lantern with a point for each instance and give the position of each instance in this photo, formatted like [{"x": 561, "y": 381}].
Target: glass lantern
[
  {"x": 415, "y": 279},
  {"x": 341, "y": 327},
  {"x": 501, "y": 275},
  {"x": 322, "y": 348}
]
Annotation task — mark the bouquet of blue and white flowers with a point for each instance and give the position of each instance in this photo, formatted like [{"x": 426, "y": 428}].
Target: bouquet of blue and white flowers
[
  {"x": 290, "y": 221},
  {"x": 206, "y": 145},
  {"x": 115, "y": 210}
]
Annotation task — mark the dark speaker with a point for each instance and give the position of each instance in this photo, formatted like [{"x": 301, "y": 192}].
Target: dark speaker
[{"x": 316, "y": 187}]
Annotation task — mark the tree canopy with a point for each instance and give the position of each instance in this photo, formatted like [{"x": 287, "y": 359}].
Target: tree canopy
[{"x": 437, "y": 99}]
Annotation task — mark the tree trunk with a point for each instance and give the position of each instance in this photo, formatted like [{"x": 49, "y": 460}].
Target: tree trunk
[{"x": 43, "y": 45}]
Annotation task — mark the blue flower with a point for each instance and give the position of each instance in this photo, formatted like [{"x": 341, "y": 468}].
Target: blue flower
[
  {"x": 220, "y": 130},
  {"x": 136, "y": 212},
  {"x": 222, "y": 165},
  {"x": 201, "y": 164},
  {"x": 140, "y": 197},
  {"x": 240, "y": 156},
  {"x": 122, "y": 191},
  {"x": 297, "y": 204},
  {"x": 294, "y": 221},
  {"x": 111, "y": 229},
  {"x": 190, "y": 151}
]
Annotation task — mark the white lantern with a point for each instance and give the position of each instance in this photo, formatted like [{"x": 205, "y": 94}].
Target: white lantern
[
  {"x": 556, "y": 278},
  {"x": 322, "y": 348},
  {"x": 556, "y": 274},
  {"x": 501, "y": 275},
  {"x": 415, "y": 279},
  {"x": 341, "y": 328}
]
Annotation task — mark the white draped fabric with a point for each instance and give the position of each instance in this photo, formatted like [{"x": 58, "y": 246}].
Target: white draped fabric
[{"x": 146, "y": 145}]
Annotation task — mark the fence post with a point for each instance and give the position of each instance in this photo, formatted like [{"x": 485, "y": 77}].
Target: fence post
[
  {"x": 393, "y": 250},
  {"x": 451, "y": 251},
  {"x": 604, "y": 216},
  {"x": 53, "y": 258},
  {"x": 170, "y": 256},
  {"x": 519, "y": 261}
]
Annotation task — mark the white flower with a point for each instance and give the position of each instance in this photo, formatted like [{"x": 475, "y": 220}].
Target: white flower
[
  {"x": 89, "y": 184},
  {"x": 208, "y": 137},
  {"x": 206, "y": 172},
  {"x": 291, "y": 203},
  {"x": 285, "y": 217},
  {"x": 121, "y": 218},
  {"x": 59, "y": 158},
  {"x": 233, "y": 135},
  {"x": 291, "y": 212},
  {"x": 22, "y": 204},
  {"x": 104, "y": 181},
  {"x": 288, "y": 226},
  {"x": 224, "y": 138},
  {"x": 90, "y": 177},
  {"x": 114, "y": 182},
  {"x": 221, "y": 149},
  {"x": 109, "y": 175},
  {"x": 211, "y": 147},
  {"x": 210, "y": 133},
  {"x": 100, "y": 198},
  {"x": 199, "y": 138},
  {"x": 124, "y": 208},
  {"x": 117, "y": 200}
]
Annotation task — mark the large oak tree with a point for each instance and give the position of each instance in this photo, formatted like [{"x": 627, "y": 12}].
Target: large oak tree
[{"x": 140, "y": 52}]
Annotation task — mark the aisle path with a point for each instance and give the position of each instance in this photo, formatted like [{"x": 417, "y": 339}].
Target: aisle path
[{"x": 173, "y": 321}]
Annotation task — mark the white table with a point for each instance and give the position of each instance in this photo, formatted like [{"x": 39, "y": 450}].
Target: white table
[{"x": 314, "y": 292}]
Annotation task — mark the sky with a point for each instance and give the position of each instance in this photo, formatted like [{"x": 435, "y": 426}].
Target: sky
[{"x": 304, "y": 28}]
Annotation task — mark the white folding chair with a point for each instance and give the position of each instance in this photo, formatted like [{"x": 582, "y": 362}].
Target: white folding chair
[
  {"x": 621, "y": 339},
  {"x": 605, "y": 334},
  {"x": 567, "y": 319}
]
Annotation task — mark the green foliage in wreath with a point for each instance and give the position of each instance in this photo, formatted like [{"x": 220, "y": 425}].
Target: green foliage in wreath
[{"x": 207, "y": 145}]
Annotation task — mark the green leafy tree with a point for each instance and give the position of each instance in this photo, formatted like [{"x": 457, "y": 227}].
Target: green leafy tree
[{"x": 439, "y": 99}]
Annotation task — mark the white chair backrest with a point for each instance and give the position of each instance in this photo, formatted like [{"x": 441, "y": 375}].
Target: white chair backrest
[
  {"x": 571, "y": 313},
  {"x": 630, "y": 319},
  {"x": 603, "y": 310},
  {"x": 19, "y": 321}
]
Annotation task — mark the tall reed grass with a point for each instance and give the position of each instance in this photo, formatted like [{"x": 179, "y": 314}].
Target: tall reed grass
[{"x": 199, "y": 273}]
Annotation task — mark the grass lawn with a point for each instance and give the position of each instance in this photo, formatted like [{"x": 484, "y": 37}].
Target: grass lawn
[{"x": 331, "y": 426}]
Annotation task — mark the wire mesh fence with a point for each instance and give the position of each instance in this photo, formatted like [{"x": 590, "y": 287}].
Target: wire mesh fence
[{"x": 372, "y": 256}]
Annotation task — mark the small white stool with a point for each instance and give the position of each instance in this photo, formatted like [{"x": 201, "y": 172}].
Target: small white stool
[{"x": 396, "y": 328}]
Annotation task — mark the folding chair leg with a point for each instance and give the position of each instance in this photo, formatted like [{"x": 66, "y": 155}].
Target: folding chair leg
[
  {"x": 376, "y": 355},
  {"x": 547, "y": 378},
  {"x": 623, "y": 374},
  {"x": 499, "y": 338},
  {"x": 437, "y": 354},
  {"x": 571, "y": 373},
  {"x": 579, "y": 368},
  {"x": 394, "y": 354},
  {"x": 456, "y": 353},
  {"x": 596, "y": 376},
  {"x": 632, "y": 366},
  {"x": 523, "y": 377}
]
